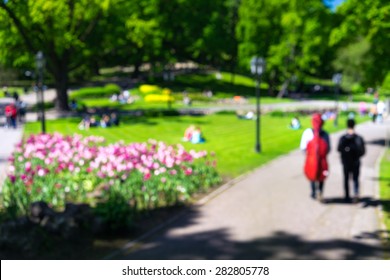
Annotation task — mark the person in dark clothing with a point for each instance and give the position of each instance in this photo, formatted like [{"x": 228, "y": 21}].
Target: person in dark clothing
[
  {"x": 352, "y": 148},
  {"x": 15, "y": 95},
  {"x": 114, "y": 120}
]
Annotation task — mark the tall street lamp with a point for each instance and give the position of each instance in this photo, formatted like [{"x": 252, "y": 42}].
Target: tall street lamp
[
  {"x": 337, "y": 80},
  {"x": 40, "y": 64},
  {"x": 257, "y": 68}
]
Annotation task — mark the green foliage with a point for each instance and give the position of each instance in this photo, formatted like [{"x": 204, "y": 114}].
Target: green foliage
[
  {"x": 385, "y": 89},
  {"x": 363, "y": 31},
  {"x": 291, "y": 35},
  {"x": 297, "y": 38},
  {"x": 353, "y": 61},
  {"x": 67, "y": 32},
  {"x": 384, "y": 182},
  {"x": 357, "y": 88},
  {"x": 105, "y": 91}
]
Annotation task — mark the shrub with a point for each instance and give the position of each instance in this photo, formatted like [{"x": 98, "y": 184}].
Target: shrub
[
  {"x": 357, "y": 88},
  {"x": 105, "y": 91},
  {"x": 159, "y": 98},
  {"x": 385, "y": 89},
  {"x": 147, "y": 89}
]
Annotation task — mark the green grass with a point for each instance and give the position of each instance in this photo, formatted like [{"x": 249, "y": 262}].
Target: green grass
[
  {"x": 231, "y": 139},
  {"x": 357, "y": 97},
  {"x": 384, "y": 178},
  {"x": 195, "y": 85},
  {"x": 223, "y": 89},
  {"x": 11, "y": 90}
]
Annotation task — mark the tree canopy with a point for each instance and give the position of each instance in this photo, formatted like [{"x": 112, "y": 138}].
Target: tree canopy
[{"x": 297, "y": 38}]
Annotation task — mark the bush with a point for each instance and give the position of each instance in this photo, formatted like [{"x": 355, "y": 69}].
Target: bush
[
  {"x": 159, "y": 98},
  {"x": 147, "y": 89},
  {"x": 105, "y": 91},
  {"x": 357, "y": 88},
  {"x": 385, "y": 89}
]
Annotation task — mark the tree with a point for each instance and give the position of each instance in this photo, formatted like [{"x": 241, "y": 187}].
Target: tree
[
  {"x": 291, "y": 35},
  {"x": 364, "y": 24},
  {"x": 61, "y": 29}
]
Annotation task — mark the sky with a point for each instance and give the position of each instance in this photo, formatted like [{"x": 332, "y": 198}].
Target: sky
[{"x": 333, "y": 3}]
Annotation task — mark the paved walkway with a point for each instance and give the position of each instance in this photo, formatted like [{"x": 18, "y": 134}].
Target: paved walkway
[
  {"x": 268, "y": 215},
  {"x": 8, "y": 139}
]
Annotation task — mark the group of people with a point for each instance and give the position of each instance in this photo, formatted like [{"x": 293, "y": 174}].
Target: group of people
[
  {"x": 105, "y": 121},
  {"x": 194, "y": 135},
  {"x": 316, "y": 143},
  {"x": 123, "y": 98},
  {"x": 14, "y": 113},
  {"x": 376, "y": 111}
]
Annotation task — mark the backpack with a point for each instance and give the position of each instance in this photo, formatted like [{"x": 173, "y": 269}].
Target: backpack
[
  {"x": 316, "y": 166},
  {"x": 351, "y": 148}
]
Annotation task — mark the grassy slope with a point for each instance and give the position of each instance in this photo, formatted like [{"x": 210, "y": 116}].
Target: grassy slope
[
  {"x": 222, "y": 88},
  {"x": 233, "y": 140},
  {"x": 195, "y": 83}
]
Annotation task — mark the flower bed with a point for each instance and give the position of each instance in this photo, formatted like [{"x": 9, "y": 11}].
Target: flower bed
[
  {"x": 118, "y": 180},
  {"x": 159, "y": 98}
]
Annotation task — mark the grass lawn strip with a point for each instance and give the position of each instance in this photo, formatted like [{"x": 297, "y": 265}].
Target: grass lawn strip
[{"x": 384, "y": 182}]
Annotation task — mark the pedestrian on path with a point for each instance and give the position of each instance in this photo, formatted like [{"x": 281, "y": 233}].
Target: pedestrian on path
[
  {"x": 315, "y": 141},
  {"x": 352, "y": 148},
  {"x": 11, "y": 115}
]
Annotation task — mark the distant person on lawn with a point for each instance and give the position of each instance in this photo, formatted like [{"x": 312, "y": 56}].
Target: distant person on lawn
[
  {"x": 295, "y": 123},
  {"x": 188, "y": 133},
  {"x": 114, "y": 120},
  {"x": 197, "y": 136},
  {"x": 352, "y": 148},
  {"x": 105, "y": 121},
  {"x": 316, "y": 143}
]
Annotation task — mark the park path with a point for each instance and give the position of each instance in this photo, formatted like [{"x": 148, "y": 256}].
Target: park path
[
  {"x": 268, "y": 214},
  {"x": 10, "y": 137}
]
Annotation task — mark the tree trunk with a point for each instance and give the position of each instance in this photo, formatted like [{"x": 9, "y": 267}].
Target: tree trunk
[
  {"x": 283, "y": 90},
  {"x": 137, "y": 71},
  {"x": 61, "y": 85}
]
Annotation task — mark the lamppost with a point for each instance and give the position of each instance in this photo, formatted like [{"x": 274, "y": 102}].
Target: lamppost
[
  {"x": 40, "y": 64},
  {"x": 336, "y": 80},
  {"x": 257, "y": 68}
]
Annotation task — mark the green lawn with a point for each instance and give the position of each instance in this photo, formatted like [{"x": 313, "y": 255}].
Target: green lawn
[
  {"x": 233, "y": 140},
  {"x": 223, "y": 88},
  {"x": 11, "y": 90},
  {"x": 195, "y": 84},
  {"x": 384, "y": 178}
]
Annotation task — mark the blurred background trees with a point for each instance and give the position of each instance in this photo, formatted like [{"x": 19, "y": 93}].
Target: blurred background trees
[{"x": 298, "y": 39}]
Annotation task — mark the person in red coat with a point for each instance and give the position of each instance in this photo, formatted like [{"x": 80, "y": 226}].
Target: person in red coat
[
  {"x": 316, "y": 143},
  {"x": 11, "y": 115}
]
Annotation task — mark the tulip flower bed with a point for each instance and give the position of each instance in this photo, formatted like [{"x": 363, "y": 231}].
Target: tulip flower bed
[{"x": 117, "y": 180}]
